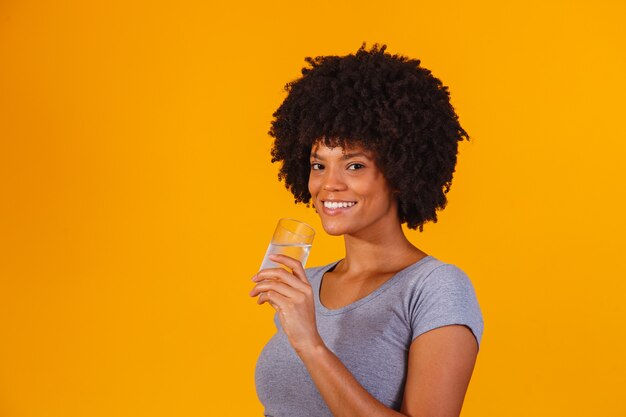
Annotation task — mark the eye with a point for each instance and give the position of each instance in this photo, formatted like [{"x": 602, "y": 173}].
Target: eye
[
  {"x": 315, "y": 166},
  {"x": 354, "y": 167}
]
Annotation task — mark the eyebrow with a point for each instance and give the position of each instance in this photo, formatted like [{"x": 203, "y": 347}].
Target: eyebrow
[{"x": 345, "y": 156}]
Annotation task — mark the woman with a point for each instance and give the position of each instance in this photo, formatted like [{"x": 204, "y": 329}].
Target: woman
[{"x": 370, "y": 140}]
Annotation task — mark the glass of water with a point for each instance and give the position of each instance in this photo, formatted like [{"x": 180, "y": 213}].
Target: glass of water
[{"x": 292, "y": 238}]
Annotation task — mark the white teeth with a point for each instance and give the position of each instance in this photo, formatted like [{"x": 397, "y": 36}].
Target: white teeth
[{"x": 334, "y": 204}]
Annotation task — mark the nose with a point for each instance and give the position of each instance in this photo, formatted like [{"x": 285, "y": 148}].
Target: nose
[{"x": 332, "y": 180}]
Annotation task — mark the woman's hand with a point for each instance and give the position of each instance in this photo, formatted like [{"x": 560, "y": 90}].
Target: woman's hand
[{"x": 291, "y": 296}]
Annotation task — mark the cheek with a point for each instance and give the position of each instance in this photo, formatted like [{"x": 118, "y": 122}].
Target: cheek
[
  {"x": 377, "y": 194},
  {"x": 313, "y": 186}
]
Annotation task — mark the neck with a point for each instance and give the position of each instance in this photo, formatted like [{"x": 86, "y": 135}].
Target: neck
[{"x": 387, "y": 250}]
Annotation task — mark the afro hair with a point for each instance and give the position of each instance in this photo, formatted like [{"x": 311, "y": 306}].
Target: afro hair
[{"x": 388, "y": 104}]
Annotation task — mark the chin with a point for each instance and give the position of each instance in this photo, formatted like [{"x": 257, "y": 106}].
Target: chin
[
  {"x": 334, "y": 232},
  {"x": 334, "y": 229}
]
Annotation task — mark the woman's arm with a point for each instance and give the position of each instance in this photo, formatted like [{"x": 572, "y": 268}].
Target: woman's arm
[
  {"x": 441, "y": 360},
  {"x": 342, "y": 393},
  {"x": 441, "y": 363}
]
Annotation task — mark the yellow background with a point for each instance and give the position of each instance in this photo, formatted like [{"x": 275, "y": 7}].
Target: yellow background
[{"x": 137, "y": 196}]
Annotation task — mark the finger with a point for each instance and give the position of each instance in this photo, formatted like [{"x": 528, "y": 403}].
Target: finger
[
  {"x": 276, "y": 286},
  {"x": 294, "y": 264},
  {"x": 282, "y": 275},
  {"x": 276, "y": 300}
]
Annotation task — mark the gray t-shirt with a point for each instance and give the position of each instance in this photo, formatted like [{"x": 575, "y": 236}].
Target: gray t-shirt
[{"x": 371, "y": 336}]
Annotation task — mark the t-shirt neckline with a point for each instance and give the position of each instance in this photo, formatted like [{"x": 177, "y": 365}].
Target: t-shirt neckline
[{"x": 328, "y": 312}]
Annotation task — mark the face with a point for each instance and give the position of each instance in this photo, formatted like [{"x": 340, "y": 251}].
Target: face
[{"x": 350, "y": 193}]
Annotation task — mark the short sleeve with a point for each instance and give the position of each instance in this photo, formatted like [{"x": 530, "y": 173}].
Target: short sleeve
[{"x": 446, "y": 297}]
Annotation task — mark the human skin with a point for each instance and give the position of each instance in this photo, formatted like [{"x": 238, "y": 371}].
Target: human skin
[{"x": 441, "y": 361}]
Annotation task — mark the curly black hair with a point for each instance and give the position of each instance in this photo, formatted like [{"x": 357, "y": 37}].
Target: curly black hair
[{"x": 388, "y": 104}]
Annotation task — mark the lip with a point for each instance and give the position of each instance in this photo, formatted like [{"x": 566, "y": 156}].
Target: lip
[{"x": 338, "y": 210}]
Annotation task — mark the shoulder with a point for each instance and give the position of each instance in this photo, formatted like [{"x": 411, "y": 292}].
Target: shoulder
[
  {"x": 445, "y": 295},
  {"x": 434, "y": 273},
  {"x": 442, "y": 281},
  {"x": 447, "y": 276}
]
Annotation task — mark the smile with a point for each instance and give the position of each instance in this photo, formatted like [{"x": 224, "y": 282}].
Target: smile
[{"x": 338, "y": 204}]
